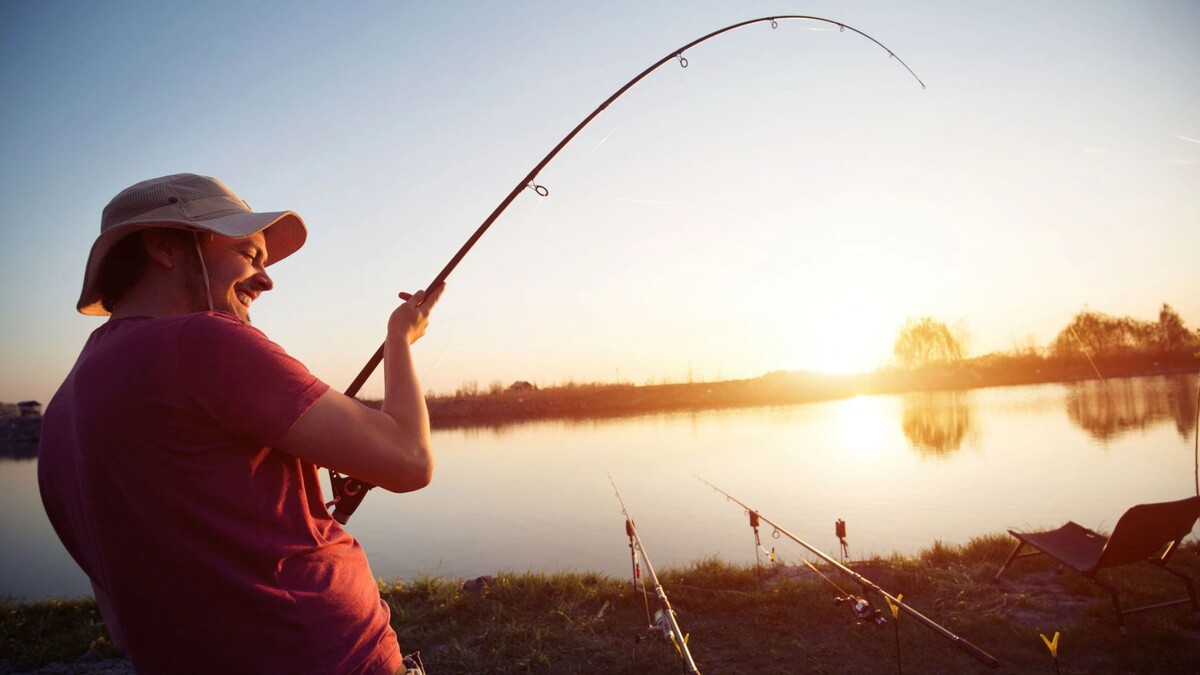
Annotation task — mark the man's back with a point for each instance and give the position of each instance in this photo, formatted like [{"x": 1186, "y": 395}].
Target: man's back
[{"x": 157, "y": 473}]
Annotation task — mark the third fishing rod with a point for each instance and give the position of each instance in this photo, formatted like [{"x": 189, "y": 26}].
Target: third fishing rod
[
  {"x": 348, "y": 492},
  {"x": 975, "y": 652},
  {"x": 665, "y": 620}
]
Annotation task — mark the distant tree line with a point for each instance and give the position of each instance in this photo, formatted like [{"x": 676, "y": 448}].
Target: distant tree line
[
  {"x": 1101, "y": 335},
  {"x": 1094, "y": 335},
  {"x": 923, "y": 345}
]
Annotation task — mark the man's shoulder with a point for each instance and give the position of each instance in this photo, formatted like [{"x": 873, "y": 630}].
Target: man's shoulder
[
  {"x": 218, "y": 322},
  {"x": 214, "y": 318},
  {"x": 218, "y": 329}
]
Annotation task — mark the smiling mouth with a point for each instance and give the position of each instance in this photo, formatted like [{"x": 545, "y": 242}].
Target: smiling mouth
[{"x": 245, "y": 299}]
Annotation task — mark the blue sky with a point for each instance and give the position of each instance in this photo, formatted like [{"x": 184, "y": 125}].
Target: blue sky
[{"x": 785, "y": 202}]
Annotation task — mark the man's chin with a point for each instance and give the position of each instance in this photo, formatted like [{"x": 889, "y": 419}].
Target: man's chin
[{"x": 239, "y": 311}]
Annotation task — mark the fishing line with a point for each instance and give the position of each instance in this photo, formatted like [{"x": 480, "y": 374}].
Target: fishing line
[
  {"x": 634, "y": 551},
  {"x": 796, "y": 554},
  {"x": 1121, "y": 418},
  {"x": 821, "y": 574},
  {"x": 771, "y": 555},
  {"x": 349, "y": 491},
  {"x": 1103, "y": 381},
  {"x": 863, "y": 611},
  {"x": 450, "y": 339}
]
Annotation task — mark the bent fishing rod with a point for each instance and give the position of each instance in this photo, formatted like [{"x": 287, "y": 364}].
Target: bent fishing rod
[
  {"x": 348, "y": 491},
  {"x": 665, "y": 620},
  {"x": 975, "y": 652}
]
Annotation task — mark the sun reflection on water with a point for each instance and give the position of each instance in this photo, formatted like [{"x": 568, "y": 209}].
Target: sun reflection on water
[{"x": 861, "y": 428}]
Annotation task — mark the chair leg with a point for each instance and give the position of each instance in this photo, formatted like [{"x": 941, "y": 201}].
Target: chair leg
[
  {"x": 1116, "y": 603},
  {"x": 1011, "y": 557},
  {"x": 1187, "y": 581}
]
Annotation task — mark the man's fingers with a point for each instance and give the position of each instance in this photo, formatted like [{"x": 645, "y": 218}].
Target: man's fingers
[
  {"x": 425, "y": 297},
  {"x": 430, "y": 297}
]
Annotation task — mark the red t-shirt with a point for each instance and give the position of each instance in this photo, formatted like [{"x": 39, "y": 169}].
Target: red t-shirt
[{"x": 215, "y": 552}]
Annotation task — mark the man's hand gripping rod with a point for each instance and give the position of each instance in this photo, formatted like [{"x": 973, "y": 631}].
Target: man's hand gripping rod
[{"x": 348, "y": 491}]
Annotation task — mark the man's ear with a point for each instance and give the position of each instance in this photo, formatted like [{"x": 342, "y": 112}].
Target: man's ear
[{"x": 162, "y": 248}]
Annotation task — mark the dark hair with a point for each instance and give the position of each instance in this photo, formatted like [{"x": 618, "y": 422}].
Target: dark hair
[{"x": 125, "y": 264}]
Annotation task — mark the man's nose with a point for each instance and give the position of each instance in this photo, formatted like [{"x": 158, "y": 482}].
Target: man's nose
[{"x": 263, "y": 280}]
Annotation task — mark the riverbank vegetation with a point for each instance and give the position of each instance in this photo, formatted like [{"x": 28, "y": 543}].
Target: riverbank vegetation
[
  {"x": 928, "y": 356},
  {"x": 741, "y": 619}
]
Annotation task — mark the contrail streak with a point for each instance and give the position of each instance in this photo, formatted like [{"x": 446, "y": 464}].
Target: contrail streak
[
  {"x": 652, "y": 201},
  {"x": 602, "y": 140}
]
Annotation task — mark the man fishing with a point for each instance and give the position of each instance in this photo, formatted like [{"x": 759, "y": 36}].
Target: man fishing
[{"x": 178, "y": 461}]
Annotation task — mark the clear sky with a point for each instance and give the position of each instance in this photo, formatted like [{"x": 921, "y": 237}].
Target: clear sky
[{"x": 785, "y": 202}]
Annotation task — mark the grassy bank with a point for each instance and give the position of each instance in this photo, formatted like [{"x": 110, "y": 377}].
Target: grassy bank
[{"x": 785, "y": 622}]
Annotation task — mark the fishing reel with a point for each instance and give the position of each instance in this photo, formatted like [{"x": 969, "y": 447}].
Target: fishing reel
[
  {"x": 660, "y": 627},
  {"x": 348, "y": 493},
  {"x": 863, "y": 611}
]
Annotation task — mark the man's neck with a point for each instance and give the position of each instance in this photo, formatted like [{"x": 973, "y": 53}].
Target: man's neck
[{"x": 153, "y": 300}]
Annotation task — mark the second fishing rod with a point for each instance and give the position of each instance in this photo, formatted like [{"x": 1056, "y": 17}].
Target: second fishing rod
[{"x": 975, "y": 652}]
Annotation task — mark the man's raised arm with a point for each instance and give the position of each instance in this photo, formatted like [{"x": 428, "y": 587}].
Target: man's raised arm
[{"x": 388, "y": 447}]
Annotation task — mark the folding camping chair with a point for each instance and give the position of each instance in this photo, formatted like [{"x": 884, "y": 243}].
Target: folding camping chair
[{"x": 1149, "y": 532}]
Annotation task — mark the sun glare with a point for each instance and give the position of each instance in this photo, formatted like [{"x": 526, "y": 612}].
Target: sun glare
[
  {"x": 849, "y": 353},
  {"x": 839, "y": 340}
]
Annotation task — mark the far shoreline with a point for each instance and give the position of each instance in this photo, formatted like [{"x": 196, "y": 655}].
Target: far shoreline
[{"x": 614, "y": 400}]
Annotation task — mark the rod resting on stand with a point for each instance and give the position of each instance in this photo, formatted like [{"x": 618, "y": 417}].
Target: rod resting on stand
[{"x": 970, "y": 649}]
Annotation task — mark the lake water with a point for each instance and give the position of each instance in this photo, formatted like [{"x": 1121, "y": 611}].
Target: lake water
[{"x": 901, "y": 470}]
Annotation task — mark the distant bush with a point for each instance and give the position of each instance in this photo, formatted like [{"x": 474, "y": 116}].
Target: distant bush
[
  {"x": 924, "y": 342},
  {"x": 1099, "y": 335},
  {"x": 468, "y": 388}
]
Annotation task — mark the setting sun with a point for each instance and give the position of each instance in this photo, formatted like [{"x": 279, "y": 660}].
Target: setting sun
[
  {"x": 852, "y": 351},
  {"x": 845, "y": 333}
]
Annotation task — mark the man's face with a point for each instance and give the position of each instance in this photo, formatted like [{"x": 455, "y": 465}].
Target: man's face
[{"x": 236, "y": 272}]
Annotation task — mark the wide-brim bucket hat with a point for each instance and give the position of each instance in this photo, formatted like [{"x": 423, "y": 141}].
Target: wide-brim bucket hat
[{"x": 185, "y": 201}]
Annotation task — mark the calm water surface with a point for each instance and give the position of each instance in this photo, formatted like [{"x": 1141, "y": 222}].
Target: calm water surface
[{"x": 901, "y": 470}]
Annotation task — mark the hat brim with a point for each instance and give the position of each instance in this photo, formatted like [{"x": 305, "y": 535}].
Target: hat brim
[{"x": 284, "y": 232}]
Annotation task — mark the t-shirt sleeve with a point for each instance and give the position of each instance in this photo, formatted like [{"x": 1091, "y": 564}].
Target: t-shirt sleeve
[{"x": 243, "y": 381}]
